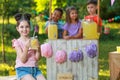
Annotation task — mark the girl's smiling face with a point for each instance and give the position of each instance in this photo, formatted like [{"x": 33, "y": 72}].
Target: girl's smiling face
[
  {"x": 73, "y": 14},
  {"x": 23, "y": 28}
]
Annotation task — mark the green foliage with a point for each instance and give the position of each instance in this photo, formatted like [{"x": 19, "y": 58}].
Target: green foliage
[
  {"x": 41, "y": 5},
  {"x": 111, "y": 36},
  {"x": 80, "y": 5},
  {"x": 10, "y": 7},
  {"x": 4, "y": 73},
  {"x": 108, "y": 11}
]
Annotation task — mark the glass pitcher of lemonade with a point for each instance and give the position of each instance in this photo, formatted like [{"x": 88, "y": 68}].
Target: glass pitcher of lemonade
[
  {"x": 89, "y": 30},
  {"x": 52, "y": 31}
]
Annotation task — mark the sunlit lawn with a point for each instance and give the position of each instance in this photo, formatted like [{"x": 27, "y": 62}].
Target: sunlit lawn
[
  {"x": 105, "y": 48},
  {"x": 107, "y": 44}
]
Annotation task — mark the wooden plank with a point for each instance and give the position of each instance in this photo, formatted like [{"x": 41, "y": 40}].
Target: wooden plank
[
  {"x": 80, "y": 64},
  {"x": 63, "y": 47},
  {"x": 85, "y": 61},
  {"x": 54, "y": 68},
  {"x": 74, "y": 64},
  {"x": 69, "y": 63},
  {"x": 49, "y": 61},
  {"x": 95, "y": 63}
]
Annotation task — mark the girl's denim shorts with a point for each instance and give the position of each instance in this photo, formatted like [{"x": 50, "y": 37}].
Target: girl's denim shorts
[{"x": 22, "y": 71}]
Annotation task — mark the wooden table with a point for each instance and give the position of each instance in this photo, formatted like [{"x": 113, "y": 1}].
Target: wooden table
[{"x": 114, "y": 65}]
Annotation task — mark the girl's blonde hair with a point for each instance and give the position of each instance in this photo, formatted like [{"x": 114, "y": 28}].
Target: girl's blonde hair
[{"x": 68, "y": 10}]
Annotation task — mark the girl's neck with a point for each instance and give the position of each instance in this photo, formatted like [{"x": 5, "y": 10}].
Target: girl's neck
[
  {"x": 23, "y": 38},
  {"x": 93, "y": 14},
  {"x": 54, "y": 21},
  {"x": 73, "y": 21}
]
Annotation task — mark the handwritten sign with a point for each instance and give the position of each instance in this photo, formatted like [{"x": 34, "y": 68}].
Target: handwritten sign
[{"x": 64, "y": 76}]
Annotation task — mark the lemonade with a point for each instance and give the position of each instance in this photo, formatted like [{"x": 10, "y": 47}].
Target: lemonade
[
  {"x": 34, "y": 43},
  {"x": 52, "y": 31},
  {"x": 90, "y": 30}
]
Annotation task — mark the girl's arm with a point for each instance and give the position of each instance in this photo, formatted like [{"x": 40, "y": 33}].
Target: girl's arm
[
  {"x": 46, "y": 30},
  {"x": 38, "y": 53},
  {"x": 79, "y": 35},
  {"x": 65, "y": 36},
  {"x": 46, "y": 27}
]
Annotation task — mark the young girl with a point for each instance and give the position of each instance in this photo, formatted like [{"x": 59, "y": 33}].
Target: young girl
[
  {"x": 92, "y": 10},
  {"x": 26, "y": 60},
  {"x": 72, "y": 28}
]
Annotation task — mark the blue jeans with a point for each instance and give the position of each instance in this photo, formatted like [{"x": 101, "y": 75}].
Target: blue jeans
[{"x": 22, "y": 71}]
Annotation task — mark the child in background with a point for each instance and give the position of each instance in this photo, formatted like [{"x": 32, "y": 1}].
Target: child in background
[
  {"x": 92, "y": 10},
  {"x": 72, "y": 28},
  {"x": 54, "y": 18},
  {"x": 27, "y": 58}
]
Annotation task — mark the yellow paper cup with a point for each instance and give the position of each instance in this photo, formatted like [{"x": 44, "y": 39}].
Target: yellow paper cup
[{"x": 118, "y": 49}]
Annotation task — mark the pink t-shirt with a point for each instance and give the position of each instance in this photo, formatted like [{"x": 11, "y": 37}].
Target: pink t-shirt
[{"x": 31, "y": 62}]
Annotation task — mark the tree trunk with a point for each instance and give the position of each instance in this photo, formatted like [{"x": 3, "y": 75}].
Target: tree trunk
[
  {"x": 8, "y": 20},
  {"x": 2, "y": 33},
  {"x": 2, "y": 37}
]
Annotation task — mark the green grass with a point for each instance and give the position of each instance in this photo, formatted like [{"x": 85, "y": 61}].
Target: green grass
[
  {"x": 107, "y": 44},
  {"x": 105, "y": 48}
]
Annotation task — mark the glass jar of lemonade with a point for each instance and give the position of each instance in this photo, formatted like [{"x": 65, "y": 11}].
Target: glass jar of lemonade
[{"x": 34, "y": 43}]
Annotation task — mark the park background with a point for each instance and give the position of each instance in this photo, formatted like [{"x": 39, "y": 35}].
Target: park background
[{"x": 40, "y": 13}]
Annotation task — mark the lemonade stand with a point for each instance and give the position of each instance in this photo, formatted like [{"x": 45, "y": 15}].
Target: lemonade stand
[{"x": 85, "y": 68}]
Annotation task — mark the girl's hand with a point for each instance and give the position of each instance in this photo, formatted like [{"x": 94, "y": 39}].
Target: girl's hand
[
  {"x": 37, "y": 45},
  {"x": 67, "y": 37},
  {"x": 38, "y": 52}
]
